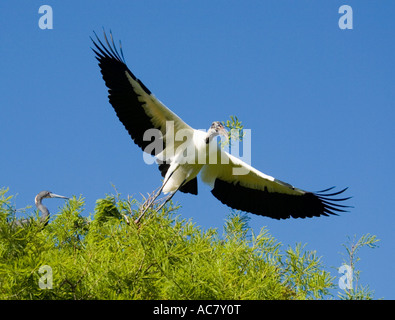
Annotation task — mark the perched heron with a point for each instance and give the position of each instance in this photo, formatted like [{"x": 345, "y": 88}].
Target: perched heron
[
  {"x": 43, "y": 209},
  {"x": 140, "y": 111}
]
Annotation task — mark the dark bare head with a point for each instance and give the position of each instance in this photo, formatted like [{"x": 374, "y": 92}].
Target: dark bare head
[{"x": 216, "y": 129}]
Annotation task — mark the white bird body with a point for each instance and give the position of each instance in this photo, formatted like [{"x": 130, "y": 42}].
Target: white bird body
[
  {"x": 182, "y": 152},
  {"x": 188, "y": 161}
]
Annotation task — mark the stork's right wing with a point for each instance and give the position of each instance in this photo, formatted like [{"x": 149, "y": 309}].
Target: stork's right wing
[
  {"x": 242, "y": 187},
  {"x": 136, "y": 107}
]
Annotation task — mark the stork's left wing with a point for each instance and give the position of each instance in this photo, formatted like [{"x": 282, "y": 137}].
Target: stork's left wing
[
  {"x": 242, "y": 187},
  {"x": 136, "y": 107}
]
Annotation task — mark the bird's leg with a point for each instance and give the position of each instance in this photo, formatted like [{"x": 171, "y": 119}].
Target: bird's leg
[
  {"x": 153, "y": 199},
  {"x": 168, "y": 199},
  {"x": 150, "y": 201},
  {"x": 171, "y": 196}
]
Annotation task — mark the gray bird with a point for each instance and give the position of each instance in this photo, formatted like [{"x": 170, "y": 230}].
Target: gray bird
[{"x": 43, "y": 209}]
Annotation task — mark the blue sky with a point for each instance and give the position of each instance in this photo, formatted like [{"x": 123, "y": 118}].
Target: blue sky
[{"x": 319, "y": 102}]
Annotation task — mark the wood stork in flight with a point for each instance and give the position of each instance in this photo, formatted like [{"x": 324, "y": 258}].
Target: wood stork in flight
[{"x": 255, "y": 192}]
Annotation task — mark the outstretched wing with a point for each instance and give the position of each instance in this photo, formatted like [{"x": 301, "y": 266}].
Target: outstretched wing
[
  {"x": 138, "y": 109},
  {"x": 242, "y": 187},
  {"x": 135, "y": 105}
]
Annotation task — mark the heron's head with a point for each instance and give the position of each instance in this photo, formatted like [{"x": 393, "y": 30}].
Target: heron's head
[
  {"x": 216, "y": 129},
  {"x": 46, "y": 194}
]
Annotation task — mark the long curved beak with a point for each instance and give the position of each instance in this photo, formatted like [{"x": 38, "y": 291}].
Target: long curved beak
[
  {"x": 224, "y": 133},
  {"x": 53, "y": 195}
]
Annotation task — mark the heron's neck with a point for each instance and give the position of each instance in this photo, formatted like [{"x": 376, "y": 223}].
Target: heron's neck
[
  {"x": 44, "y": 212},
  {"x": 37, "y": 201}
]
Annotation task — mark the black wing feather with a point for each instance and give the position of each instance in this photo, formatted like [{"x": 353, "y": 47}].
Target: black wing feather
[
  {"x": 121, "y": 94},
  {"x": 277, "y": 205},
  {"x": 125, "y": 100}
]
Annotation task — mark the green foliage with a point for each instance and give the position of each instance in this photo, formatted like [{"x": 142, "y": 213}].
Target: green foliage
[
  {"x": 357, "y": 291},
  {"x": 235, "y": 130},
  {"x": 108, "y": 256},
  {"x": 304, "y": 272}
]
